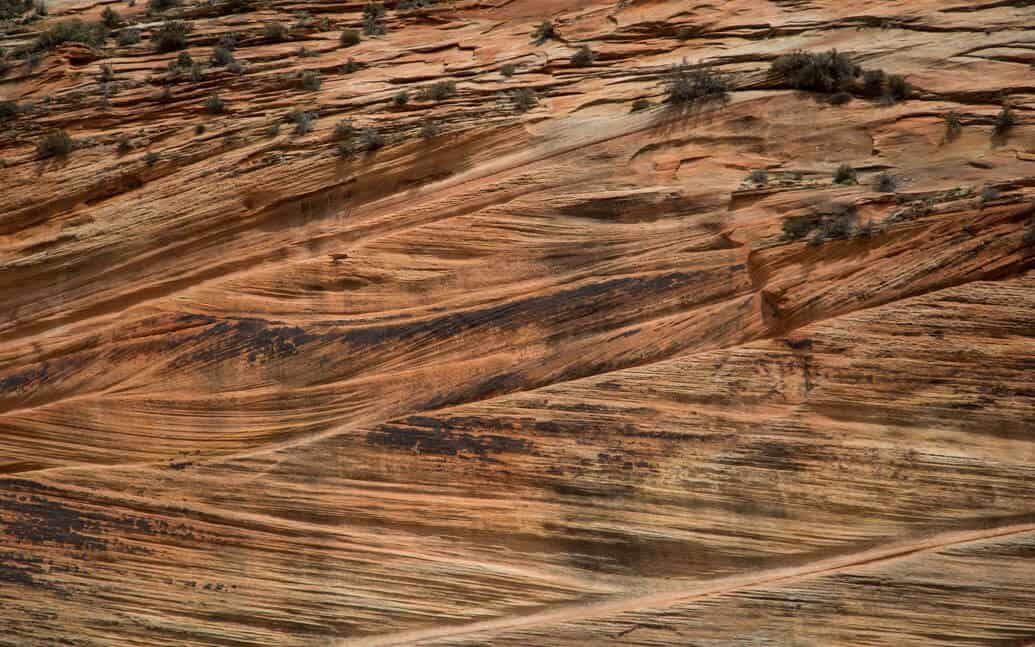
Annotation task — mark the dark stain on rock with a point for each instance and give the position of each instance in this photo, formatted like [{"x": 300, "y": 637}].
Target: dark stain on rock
[
  {"x": 423, "y": 435},
  {"x": 38, "y": 520}
]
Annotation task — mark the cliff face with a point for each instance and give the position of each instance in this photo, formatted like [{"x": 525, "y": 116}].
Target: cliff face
[{"x": 539, "y": 368}]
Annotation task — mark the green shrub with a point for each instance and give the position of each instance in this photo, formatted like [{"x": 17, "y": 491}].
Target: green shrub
[
  {"x": 798, "y": 227},
  {"x": 351, "y": 66},
  {"x": 544, "y": 32},
  {"x": 151, "y": 158},
  {"x": 1004, "y": 121},
  {"x": 303, "y": 121},
  {"x": 275, "y": 32},
  {"x": 373, "y": 19},
  {"x": 124, "y": 146},
  {"x": 898, "y": 89},
  {"x": 401, "y": 98},
  {"x": 583, "y": 57},
  {"x": 158, "y": 6},
  {"x": 845, "y": 174},
  {"x": 428, "y": 129},
  {"x": 72, "y": 31},
  {"x": 690, "y": 85},
  {"x": 344, "y": 130},
  {"x": 685, "y": 33},
  {"x": 220, "y": 57},
  {"x": 886, "y": 183},
  {"x": 107, "y": 73},
  {"x": 349, "y": 37},
  {"x": 196, "y": 75},
  {"x": 310, "y": 80},
  {"x": 199, "y": 129},
  {"x": 840, "y": 98},
  {"x": 111, "y": 18},
  {"x": 823, "y": 72},
  {"x": 953, "y": 125},
  {"x": 508, "y": 69},
  {"x": 524, "y": 99},
  {"x": 8, "y": 110},
  {"x": 438, "y": 91},
  {"x": 371, "y": 139},
  {"x": 184, "y": 60},
  {"x": 873, "y": 83},
  {"x": 55, "y": 144},
  {"x": 640, "y": 105},
  {"x": 759, "y": 177},
  {"x": 128, "y": 36},
  {"x": 214, "y": 104},
  {"x": 172, "y": 35}
]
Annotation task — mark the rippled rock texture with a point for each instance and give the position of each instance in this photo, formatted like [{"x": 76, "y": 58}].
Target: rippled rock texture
[{"x": 531, "y": 355}]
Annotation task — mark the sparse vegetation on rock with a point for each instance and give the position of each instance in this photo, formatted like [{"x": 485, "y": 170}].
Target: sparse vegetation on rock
[
  {"x": 583, "y": 56},
  {"x": 545, "y": 31},
  {"x": 886, "y": 182},
  {"x": 310, "y": 80},
  {"x": 214, "y": 105},
  {"x": 830, "y": 71},
  {"x": 524, "y": 99},
  {"x": 845, "y": 174},
  {"x": 953, "y": 125},
  {"x": 438, "y": 91},
  {"x": 374, "y": 19},
  {"x": 349, "y": 37},
  {"x": 57, "y": 143},
  {"x": 172, "y": 35},
  {"x": 692, "y": 85},
  {"x": 1004, "y": 121}
]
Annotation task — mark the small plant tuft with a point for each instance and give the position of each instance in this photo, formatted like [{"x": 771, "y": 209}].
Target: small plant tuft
[
  {"x": 344, "y": 130},
  {"x": 758, "y": 177},
  {"x": 886, "y": 183},
  {"x": 303, "y": 121},
  {"x": 349, "y": 37},
  {"x": 692, "y": 85},
  {"x": 151, "y": 158},
  {"x": 128, "y": 36},
  {"x": 214, "y": 104},
  {"x": 953, "y": 125},
  {"x": 640, "y": 105},
  {"x": 524, "y": 99},
  {"x": 829, "y": 71},
  {"x": 438, "y": 91},
  {"x": 1004, "y": 121},
  {"x": 199, "y": 129},
  {"x": 371, "y": 140},
  {"x": 583, "y": 57},
  {"x": 275, "y": 32},
  {"x": 545, "y": 31},
  {"x": 845, "y": 174},
  {"x": 401, "y": 98},
  {"x": 111, "y": 18},
  {"x": 374, "y": 19},
  {"x": 55, "y": 144},
  {"x": 310, "y": 80},
  {"x": 428, "y": 129},
  {"x": 220, "y": 57},
  {"x": 508, "y": 70},
  {"x": 172, "y": 35}
]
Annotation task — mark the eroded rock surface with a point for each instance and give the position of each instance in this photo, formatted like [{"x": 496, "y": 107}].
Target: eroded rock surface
[{"x": 538, "y": 369}]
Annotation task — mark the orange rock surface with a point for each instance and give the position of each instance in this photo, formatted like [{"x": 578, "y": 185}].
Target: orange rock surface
[{"x": 555, "y": 376}]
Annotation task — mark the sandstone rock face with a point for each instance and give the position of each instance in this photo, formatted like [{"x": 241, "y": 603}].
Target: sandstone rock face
[{"x": 520, "y": 365}]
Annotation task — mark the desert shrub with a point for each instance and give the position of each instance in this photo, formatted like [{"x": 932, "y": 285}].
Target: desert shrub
[
  {"x": 508, "y": 69},
  {"x": 214, "y": 104},
  {"x": 55, "y": 144},
  {"x": 414, "y": 5},
  {"x": 172, "y": 35},
  {"x": 873, "y": 83},
  {"x": 127, "y": 37},
  {"x": 344, "y": 130},
  {"x": 690, "y": 85},
  {"x": 898, "y": 89},
  {"x": 835, "y": 227},
  {"x": 885, "y": 183},
  {"x": 303, "y": 121},
  {"x": 236, "y": 67},
  {"x": 310, "y": 80},
  {"x": 72, "y": 31},
  {"x": 351, "y": 66},
  {"x": 428, "y": 129},
  {"x": 124, "y": 146},
  {"x": 798, "y": 227},
  {"x": 990, "y": 194},
  {"x": 158, "y": 6},
  {"x": 373, "y": 19},
  {"x": 110, "y": 18},
  {"x": 228, "y": 41},
  {"x": 349, "y": 37},
  {"x": 583, "y": 57},
  {"x": 438, "y": 91},
  {"x": 759, "y": 177},
  {"x": 275, "y": 32},
  {"x": 151, "y": 158},
  {"x": 685, "y": 33},
  {"x": 199, "y": 129},
  {"x": 13, "y": 8},
  {"x": 401, "y": 98},
  {"x": 544, "y": 31},
  {"x": 524, "y": 99},
  {"x": 107, "y": 72},
  {"x": 8, "y": 110},
  {"x": 370, "y": 139},
  {"x": 220, "y": 56},
  {"x": 823, "y": 72},
  {"x": 1004, "y": 121},
  {"x": 273, "y": 129},
  {"x": 953, "y": 125},
  {"x": 195, "y": 73},
  {"x": 640, "y": 104},
  {"x": 845, "y": 174},
  {"x": 840, "y": 98}
]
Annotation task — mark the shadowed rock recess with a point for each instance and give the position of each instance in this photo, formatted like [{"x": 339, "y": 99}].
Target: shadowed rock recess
[{"x": 517, "y": 322}]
